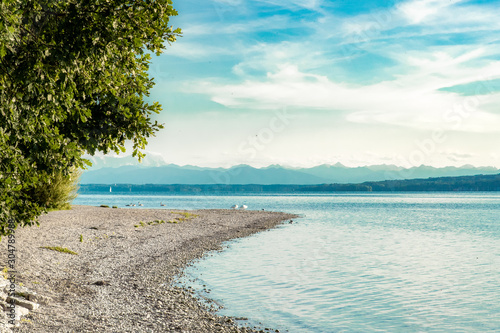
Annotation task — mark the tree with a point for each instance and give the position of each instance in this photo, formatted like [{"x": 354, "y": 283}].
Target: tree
[{"x": 73, "y": 79}]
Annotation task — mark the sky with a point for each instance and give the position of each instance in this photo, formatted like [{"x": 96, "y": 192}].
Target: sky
[{"x": 307, "y": 82}]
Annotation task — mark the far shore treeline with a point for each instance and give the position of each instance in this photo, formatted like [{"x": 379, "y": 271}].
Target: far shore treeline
[{"x": 466, "y": 183}]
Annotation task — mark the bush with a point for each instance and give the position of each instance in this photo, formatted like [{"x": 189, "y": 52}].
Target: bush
[{"x": 60, "y": 190}]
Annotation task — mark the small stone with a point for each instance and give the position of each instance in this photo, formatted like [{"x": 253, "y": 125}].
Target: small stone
[
  {"x": 20, "y": 311},
  {"x": 30, "y": 296},
  {"x": 3, "y": 306},
  {"x": 3, "y": 282},
  {"x": 40, "y": 299},
  {"x": 23, "y": 303},
  {"x": 101, "y": 283}
]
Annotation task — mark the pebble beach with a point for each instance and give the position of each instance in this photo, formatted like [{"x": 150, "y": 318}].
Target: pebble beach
[{"x": 95, "y": 269}]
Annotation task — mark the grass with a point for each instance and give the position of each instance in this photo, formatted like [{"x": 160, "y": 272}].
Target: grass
[
  {"x": 141, "y": 224},
  {"x": 63, "y": 206},
  {"x": 59, "y": 249},
  {"x": 155, "y": 222},
  {"x": 185, "y": 217}
]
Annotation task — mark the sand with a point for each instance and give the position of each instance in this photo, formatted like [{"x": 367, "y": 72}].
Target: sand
[{"x": 124, "y": 276}]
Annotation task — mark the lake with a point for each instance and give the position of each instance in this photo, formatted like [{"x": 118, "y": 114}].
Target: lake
[{"x": 391, "y": 262}]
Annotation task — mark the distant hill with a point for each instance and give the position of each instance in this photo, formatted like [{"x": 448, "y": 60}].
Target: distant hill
[
  {"x": 482, "y": 183},
  {"x": 464, "y": 183},
  {"x": 275, "y": 174},
  {"x": 173, "y": 174},
  {"x": 341, "y": 174}
]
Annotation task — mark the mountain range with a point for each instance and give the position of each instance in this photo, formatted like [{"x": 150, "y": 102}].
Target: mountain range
[{"x": 274, "y": 174}]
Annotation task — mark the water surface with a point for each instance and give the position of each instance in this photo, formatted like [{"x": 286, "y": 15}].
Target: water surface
[{"x": 426, "y": 262}]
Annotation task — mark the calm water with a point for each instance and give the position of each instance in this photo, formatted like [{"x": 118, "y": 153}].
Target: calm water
[{"x": 356, "y": 262}]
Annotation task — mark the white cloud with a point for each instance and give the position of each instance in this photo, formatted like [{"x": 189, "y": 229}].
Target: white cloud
[
  {"x": 265, "y": 57},
  {"x": 308, "y": 4},
  {"x": 407, "y": 53},
  {"x": 419, "y": 18},
  {"x": 411, "y": 100},
  {"x": 419, "y": 11}
]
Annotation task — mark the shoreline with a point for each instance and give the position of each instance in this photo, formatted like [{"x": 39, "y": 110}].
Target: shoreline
[{"x": 123, "y": 276}]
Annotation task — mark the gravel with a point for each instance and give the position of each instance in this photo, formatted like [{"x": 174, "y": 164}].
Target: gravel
[{"x": 123, "y": 277}]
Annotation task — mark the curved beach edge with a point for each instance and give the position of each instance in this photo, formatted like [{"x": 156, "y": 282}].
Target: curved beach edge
[{"x": 95, "y": 269}]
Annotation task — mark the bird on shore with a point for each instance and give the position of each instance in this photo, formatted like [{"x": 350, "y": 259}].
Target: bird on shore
[
  {"x": 243, "y": 207},
  {"x": 139, "y": 204},
  {"x": 234, "y": 206}
]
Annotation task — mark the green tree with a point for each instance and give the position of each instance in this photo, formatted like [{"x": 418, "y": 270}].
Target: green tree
[{"x": 73, "y": 79}]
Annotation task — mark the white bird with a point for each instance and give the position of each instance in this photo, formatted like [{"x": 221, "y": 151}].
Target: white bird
[
  {"x": 243, "y": 207},
  {"x": 234, "y": 206}
]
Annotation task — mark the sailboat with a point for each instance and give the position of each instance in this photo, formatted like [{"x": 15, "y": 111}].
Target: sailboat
[{"x": 110, "y": 189}]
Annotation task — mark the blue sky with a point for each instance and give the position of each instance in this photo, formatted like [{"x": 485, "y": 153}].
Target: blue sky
[{"x": 308, "y": 82}]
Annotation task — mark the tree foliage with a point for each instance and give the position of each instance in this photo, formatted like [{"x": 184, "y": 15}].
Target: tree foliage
[{"x": 73, "y": 79}]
